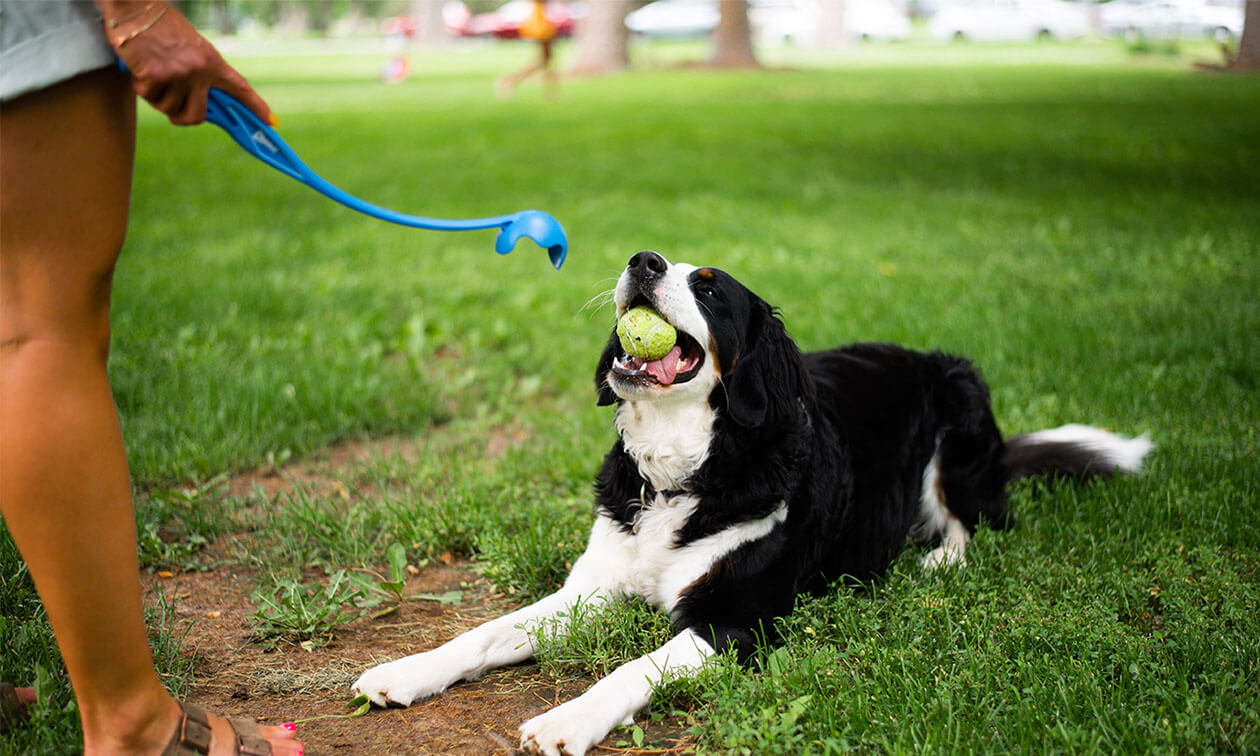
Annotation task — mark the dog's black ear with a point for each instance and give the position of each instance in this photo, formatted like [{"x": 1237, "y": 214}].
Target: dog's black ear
[
  {"x": 768, "y": 379},
  {"x": 604, "y": 391}
]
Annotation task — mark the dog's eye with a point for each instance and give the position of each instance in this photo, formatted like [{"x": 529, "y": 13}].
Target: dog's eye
[{"x": 706, "y": 291}]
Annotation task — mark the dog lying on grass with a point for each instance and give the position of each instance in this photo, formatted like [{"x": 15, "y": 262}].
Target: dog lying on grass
[{"x": 746, "y": 473}]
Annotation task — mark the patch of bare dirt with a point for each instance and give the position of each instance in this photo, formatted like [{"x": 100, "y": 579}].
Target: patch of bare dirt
[
  {"x": 237, "y": 676},
  {"x": 323, "y": 471}
]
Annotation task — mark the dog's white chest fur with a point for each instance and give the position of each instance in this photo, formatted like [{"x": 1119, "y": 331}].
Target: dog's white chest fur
[
  {"x": 668, "y": 440},
  {"x": 647, "y": 562}
]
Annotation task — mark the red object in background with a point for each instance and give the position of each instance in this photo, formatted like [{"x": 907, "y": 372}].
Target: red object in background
[
  {"x": 396, "y": 69},
  {"x": 505, "y": 23},
  {"x": 399, "y": 26}
]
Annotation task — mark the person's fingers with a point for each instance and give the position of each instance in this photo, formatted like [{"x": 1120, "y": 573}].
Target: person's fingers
[
  {"x": 168, "y": 94},
  {"x": 192, "y": 110},
  {"x": 173, "y": 68},
  {"x": 176, "y": 109},
  {"x": 234, "y": 84},
  {"x": 168, "y": 100},
  {"x": 149, "y": 91}
]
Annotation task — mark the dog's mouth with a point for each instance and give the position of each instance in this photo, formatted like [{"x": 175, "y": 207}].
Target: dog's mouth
[{"x": 679, "y": 365}]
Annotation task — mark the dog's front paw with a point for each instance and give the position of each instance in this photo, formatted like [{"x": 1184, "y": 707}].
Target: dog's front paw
[
  {"x": 405, "y": 681},
  {"x": 563, "y": 731}
]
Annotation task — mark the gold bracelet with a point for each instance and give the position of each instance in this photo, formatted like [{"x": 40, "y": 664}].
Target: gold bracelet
[
  {"x": 114, "y": 22},
  {"x": 132, "y": 35}
]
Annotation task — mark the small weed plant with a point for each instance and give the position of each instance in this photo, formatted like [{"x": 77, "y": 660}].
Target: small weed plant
[{"x": 306, "y": 614}]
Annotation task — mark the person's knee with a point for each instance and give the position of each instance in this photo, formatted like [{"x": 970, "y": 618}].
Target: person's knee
[
  {"x": 70, "y": 309},
  {"x": 64, "y": 199}
]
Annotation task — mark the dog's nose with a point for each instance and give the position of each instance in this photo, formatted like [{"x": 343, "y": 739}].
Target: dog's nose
[{"x": 647, "y": 265}]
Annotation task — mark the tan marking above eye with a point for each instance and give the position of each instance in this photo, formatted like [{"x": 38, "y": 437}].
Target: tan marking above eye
[{"x": 705, "y": 273}]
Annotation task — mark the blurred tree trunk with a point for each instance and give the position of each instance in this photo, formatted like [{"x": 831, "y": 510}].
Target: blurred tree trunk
[
  {"x": 430, "y": 28},
  {"x": 321, "y": 16},
  {"x": 222, "y": 14},
  {"x": 732, "y": 39},
  {"x": 294, "y": 18},
  {"x": 831, "y": 32},
  {"x": 1248, "y": 57},
  {"x": 603, "y": 39}
]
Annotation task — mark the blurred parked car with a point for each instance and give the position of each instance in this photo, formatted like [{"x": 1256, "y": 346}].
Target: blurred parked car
[
  {"x": 1009, "y": 21},
  {"x": 505, "y": 22},
  {"x": 776, "y": 22},
  {"x": 877, "y": 20},
  {"x": 674, "y": 19},
  {"x": 773, "y": 21},
  {"x": 1170, "y": 19}
]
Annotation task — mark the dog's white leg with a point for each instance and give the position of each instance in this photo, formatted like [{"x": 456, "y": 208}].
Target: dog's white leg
[
  {"x": 506, "y": 640},
  {"x": 953, "y": 548},
  {"x": 936, "y": 519},
  {"x": 573, "y": 727},
  {"x": 497, "y": 643}
]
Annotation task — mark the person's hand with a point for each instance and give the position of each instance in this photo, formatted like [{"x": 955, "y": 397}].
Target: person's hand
[{"x": 172, "y": 66}]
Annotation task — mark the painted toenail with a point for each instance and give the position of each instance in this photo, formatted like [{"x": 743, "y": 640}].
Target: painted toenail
[{"x": 290, "y": 726}]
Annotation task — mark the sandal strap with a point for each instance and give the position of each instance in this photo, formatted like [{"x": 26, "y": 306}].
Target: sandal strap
[
  {"x": 248, "y": 742},
  {"x": 192, "y": 736}
]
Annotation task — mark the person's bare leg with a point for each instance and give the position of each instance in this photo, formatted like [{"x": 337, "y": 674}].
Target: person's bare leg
[
  {"x": 65, "y": 492},
  {"x": 508, "y": 83},
  {"x": 551, "y": 81}
]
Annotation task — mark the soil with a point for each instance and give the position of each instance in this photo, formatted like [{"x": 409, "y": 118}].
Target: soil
[{"x": 235, "y": 675}]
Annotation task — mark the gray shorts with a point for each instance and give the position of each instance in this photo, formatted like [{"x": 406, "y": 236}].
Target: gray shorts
[{"x": 43, "y": 42}]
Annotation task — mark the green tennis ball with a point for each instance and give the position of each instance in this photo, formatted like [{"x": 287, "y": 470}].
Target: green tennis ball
[{"x": 644, "y": 334}]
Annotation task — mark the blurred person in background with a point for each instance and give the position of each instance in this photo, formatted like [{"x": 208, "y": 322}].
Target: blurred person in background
[{"x": 540, "y": 29}]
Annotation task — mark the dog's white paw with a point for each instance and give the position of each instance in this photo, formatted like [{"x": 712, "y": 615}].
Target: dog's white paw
[
  {"x": 564, "y": 731},
  {"x": 943, "y": 556},
  {"x": 405, "y": 681}
]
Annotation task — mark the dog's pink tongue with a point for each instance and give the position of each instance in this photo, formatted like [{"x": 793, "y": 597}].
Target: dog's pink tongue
[{"x": 665, "y": 369}]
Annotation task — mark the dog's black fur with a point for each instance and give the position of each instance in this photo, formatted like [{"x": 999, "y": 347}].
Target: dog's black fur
[{"x": 843, "y": 436}]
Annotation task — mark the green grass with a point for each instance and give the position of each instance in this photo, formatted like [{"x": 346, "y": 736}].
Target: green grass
[{"x": 1081, "y": 222}]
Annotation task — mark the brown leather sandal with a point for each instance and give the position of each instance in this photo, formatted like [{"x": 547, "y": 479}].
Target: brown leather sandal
[
  {"x": 12, "y": 709},
  {"x": 192, "y": 737}
]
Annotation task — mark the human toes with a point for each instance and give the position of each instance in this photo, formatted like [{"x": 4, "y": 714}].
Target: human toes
[
  {"x": 233, "y": 736},
  {"x": 14, "y": 704}
]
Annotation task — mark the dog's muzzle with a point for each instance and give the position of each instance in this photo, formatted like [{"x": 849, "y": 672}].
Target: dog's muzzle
[{"x": 645, "y": 271}]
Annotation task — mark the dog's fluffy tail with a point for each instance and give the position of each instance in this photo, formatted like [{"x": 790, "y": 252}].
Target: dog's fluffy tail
[{"x": 1075, "y": 450}]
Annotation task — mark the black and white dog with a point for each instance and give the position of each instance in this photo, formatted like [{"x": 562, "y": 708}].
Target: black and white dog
[{"x": 745, "y": 473}]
